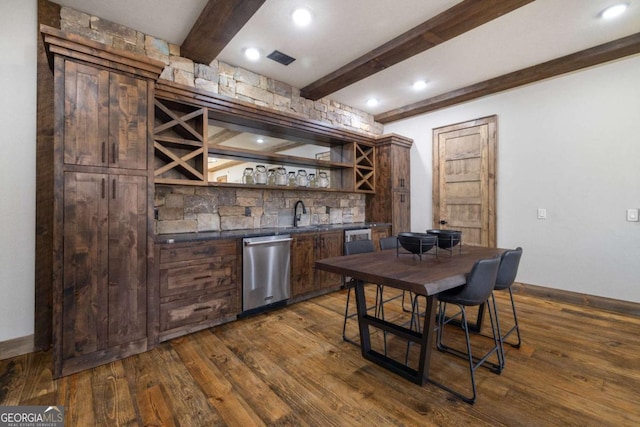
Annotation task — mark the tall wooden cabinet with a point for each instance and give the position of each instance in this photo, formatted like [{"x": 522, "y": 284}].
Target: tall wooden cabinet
[
  {"x": 392, "y": 200},
  {"x": 103, "y": 190}
]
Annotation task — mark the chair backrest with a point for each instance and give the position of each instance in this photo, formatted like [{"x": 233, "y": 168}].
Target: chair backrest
[
  {"x": 388, "y": 243},
  {"x": 480, "y": 283},
  {"x": 359, "y": 247},
  {"x": 509, "y": 262}
]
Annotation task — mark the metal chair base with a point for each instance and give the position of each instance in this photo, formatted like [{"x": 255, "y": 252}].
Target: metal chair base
[{"x": 474, "y": 362}]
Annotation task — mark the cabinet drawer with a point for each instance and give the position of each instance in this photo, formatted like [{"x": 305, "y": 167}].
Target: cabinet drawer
[
  {"x": 190, "y": 311},
  {"x": 209, "y": 276},
  {"x": 176, "y": 252}
]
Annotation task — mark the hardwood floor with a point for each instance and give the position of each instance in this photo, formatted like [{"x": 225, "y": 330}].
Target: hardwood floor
[{"x": 577, "y": 366}]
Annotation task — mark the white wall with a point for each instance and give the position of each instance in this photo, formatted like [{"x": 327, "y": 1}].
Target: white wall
[
  {"x": 571, "y": 145},
  {"x": 18, "y": 56}
]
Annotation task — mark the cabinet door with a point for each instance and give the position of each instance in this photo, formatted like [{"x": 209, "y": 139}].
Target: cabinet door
[
  {"x": 86, "y": 115},
  {"x": 85, "y": 268},
  {"x": 105, "y": 117},
  {"x": 377, "y": 234},
  {"x": 302, "y": 263},
  {"x": 127, "y": 122},
  {"x": 401, "y": 168},
  {"x": 330, "y": 245},
  {"x": 127, "y": 258},
  {"x": 401, "y": 212}
]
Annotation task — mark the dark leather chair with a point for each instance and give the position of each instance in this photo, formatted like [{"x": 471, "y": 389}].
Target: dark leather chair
[
  {"x": 352, "y": 248},
  {"x": 509, "y": 263},
  {"x": 477, "y": 290},
  {"x": 388, "y": 243}
]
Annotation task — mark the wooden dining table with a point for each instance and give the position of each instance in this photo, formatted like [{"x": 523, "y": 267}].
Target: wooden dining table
[{"x": 427, "y": 275}]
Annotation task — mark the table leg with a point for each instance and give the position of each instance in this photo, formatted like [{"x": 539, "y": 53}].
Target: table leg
[
  {"x": 425, "y": 339},
  {"x": 426, "y": 342},
  {"x": 361, "y": 308}
]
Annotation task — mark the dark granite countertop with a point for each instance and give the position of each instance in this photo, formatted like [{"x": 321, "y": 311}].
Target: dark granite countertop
[{"x": 254, "y": 232}]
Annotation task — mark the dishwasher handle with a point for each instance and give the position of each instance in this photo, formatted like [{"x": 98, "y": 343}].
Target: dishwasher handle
[{"x": 268, "y": 242}]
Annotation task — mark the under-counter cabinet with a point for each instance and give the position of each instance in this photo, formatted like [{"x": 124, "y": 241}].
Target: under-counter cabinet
[
  {"x": 102, "y": 188},
  {"x": 305, "y": 250},
  {"x": 199, "y": 286},
  {"x": 378, "y": 233}
]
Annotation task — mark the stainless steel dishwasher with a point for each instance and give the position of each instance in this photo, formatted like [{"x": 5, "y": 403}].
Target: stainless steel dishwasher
[{"x": 266, "y": 272}]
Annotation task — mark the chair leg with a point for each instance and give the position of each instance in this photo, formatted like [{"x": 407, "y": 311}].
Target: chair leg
[
  {"x": 413, "y": 322},
  {"x": 346, "y": 316},
  {"x": 501, "y": 358},
  {"x": 469, "y": 357},
  {"x": 380, "y": 313},
  {"x": 410, "y": 299},
  {"x": 474, "y": 362},
  {"x": 515, "y": 327}
]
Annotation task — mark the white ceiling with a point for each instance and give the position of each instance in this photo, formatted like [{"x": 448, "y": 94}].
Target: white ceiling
[{"x": 343, "y": 30}]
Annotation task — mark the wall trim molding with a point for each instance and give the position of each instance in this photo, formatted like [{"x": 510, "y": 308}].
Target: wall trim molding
[
  {"x": 577, "y": 298},
  {"x": 16, "y": 347}
]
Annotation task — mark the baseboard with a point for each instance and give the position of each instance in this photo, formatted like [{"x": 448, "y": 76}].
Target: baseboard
[
  {"x": 16, "y": 347},
  {"x": 571, "y": 297}
]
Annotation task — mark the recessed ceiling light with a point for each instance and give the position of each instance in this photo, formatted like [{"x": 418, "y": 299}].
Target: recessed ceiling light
[
  {"x": 614, "y": 11},
  {"x": 252, "y": 54},
  {"x": 372, "y": 102},
  {"x": 260, "y": 140},
  {"x": 419, "y": 84},
  {"x": 301, "y": 17}
]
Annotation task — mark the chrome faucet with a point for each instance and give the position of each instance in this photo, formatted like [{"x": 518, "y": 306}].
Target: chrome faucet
[{"x": 296, "y": 217}]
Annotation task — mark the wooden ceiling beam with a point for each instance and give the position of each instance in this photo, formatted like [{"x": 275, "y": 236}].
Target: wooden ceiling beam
[
  {"x": 606, "y": 52},
  {"x": 457, "y": 20},
  {"x": 218, "y": 23}
]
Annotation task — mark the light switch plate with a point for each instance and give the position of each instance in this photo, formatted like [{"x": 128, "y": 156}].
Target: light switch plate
[
  {"x": 632, "y": 215},
  {"x": 542, "y": 213}
]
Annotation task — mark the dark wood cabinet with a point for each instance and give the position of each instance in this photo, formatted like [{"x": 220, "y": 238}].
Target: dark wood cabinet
[
  {"x": 305, "y": 250},
  {"x": 103, "y": 188},
  {"x": 105, "y": 263},
  {"x": 392, "y": 200},
  {"x": 330, "y": 244},
  {"x": 105, "y": 118},
  {"x": 198, "y": 286},
  {"x": 378, "y": 233}
]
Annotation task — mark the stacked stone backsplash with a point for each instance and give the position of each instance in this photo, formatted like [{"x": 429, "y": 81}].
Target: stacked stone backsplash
[
  {"x": 185, "y": 209},
  {"x": 217, "y": 77}
]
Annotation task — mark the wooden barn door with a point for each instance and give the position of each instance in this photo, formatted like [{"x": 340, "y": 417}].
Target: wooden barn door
[{"x": 464, "y": 180}]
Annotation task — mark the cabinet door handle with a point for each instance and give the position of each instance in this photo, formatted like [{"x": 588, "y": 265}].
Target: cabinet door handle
[
  {"x": 401, "y": 182},
  {"x": 402, "y": 198},
  {"x": 104, "y": 151},
  {"x": 104, "y": 184},
  {"x": 202, "y": 277},
  {"x": 113, "y": 190},
  {"x": 206, "y": 307},
  {"x": 114, "y": 157}
]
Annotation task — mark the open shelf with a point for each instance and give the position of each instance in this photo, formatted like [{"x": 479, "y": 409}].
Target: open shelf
[{"x": 188, "y": 135}]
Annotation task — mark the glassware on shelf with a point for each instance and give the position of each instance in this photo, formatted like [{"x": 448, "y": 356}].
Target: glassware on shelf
[
  {"x": 323, "y": 180},
  {"x": 261, "y": 174},
  {"x": 302, "y": 180},
  {"x": 312, "y": 180},
  {"x": 292, "y": 179},
  {"x": 281, "y": 176},
  {"x": 247, "y": 176},
  {"x": 271, "y": 177}
]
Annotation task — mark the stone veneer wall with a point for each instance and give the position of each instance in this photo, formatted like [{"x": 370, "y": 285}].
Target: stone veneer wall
[
  {"x": 190, "y": 209},
  {"x": 193, "y": 209},
  {"x": 218, "y": 77}
]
